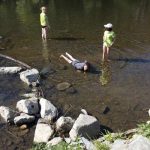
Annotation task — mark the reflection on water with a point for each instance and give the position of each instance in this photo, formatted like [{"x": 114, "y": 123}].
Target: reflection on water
[
  {"x": 45, "y": 52},
  {"x": 105, "y": 76}
]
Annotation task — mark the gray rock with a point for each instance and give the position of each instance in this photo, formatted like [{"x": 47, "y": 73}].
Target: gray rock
[
  {"x": 119, "y": 145},
  {"x": 67, "y": 140},
  {"x": 29, "y": 76},
  {"x": 24, "y": 119},
  {"x": 88, "y": 145},
  {"x": 54, "y": 141},
  {"x": 10, "y": 70},
  {"x": 48, "y": 110},
  {"x": 63, "y": 86},
  {"x": 71, "y": 90},
  {"x": 139, "y": 142},
  {"x": 64, "y": 124},
  {"x": 43, "y": 133},
  {"x": 86, "y": 126},
  {"x": 7, "y": 114},
  {"x": 28, "y": 106}
]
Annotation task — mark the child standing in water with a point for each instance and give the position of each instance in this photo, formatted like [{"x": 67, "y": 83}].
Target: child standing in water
[
  {"x": 108, "y": 41},
  {"x": 44, "y": 23}
]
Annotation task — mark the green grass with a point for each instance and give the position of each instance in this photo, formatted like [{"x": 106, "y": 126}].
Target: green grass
[
  {"x": 144, "y": 129},
  {"x": 101, "y": 146}
]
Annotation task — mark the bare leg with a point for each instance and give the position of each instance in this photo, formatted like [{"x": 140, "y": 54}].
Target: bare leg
[
  {"x": 104, "y": 53},
  {"x": 107, "y": 53},
  {"x": 67, "y": 59},
  {"x": 73, "y": 59}
]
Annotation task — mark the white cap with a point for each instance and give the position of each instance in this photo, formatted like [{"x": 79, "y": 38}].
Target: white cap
[{"x": 108, "y": 25}]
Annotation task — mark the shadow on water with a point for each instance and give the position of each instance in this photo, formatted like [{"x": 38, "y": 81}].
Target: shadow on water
[
  {"x": 133, "y": 60},
  {"x": 66, "y": 38}
]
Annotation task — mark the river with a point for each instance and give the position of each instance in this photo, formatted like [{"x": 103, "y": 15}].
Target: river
[{"x": 77, "y": 28}]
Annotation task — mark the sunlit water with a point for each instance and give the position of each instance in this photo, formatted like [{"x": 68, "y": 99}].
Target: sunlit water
[{"x": 77, "y": 27}]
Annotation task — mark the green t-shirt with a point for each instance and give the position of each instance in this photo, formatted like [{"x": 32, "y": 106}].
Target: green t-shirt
[
  {"x": 43, "y": 19},
  {"x": 109, "y": 38}
]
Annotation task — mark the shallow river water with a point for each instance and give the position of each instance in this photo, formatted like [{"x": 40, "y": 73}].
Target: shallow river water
[{"x": 77, "y": 27}]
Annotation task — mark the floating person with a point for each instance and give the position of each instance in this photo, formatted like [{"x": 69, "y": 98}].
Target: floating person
[
  {"x": 44, "y": 22},
  {"x": 78, "y": 65},
  {"x": 108, "y": 40}
]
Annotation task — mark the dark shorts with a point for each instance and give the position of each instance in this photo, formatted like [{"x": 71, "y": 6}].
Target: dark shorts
[{"x": 43, "y": 26}]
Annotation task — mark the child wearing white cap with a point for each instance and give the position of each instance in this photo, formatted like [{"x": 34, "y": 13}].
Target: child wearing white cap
[{"x": 108, "y": 40}]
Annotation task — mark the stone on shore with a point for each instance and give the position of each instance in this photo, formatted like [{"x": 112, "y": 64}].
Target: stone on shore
[
  {"x": 64, "y": 124},
  {"x": 43, "y": 133},
  {"x": 29, "y": 76},
  {"x": 138, "y": 142},
  {"x": 86, "y": 126},
  {"x": 54, "y": 141},
  {"x": 7, "y": 114},
  {"x": 10, "y": 70},
  {"x": 48, "y": 110},
  {"x": 63, "y": 86},
  {"x": 28, "y": 106},
  {"x": 24, "y": 119}
]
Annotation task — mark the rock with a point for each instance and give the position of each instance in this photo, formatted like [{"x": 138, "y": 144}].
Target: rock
[
  {"x": 43, "y": 133},
  {"x": 23, "y": 127},
  {"x": 86, "y": 126},
  {"x": 7, "y": 114},
  {"x": 84, "y": 111},
  {"x": 139, "y": 142},
  {"x": 71, "y": 90},
  {"x": 29, "y": 76},
  {"x": 119, "y": 145},
  {"x": 67, "y": 140},
  {"x": 45, "y": 72},
  {"x": 64, "y": 124},
  {"x": 24, "y": 119},
  {"x": 54, "y": 141},
  {"x": 23, "y": 132},
  {"x": 149, "y": 112},
  {"x": 28, "y": 106},
  {"x": 30, "y": 95},
  {"x": 10, "y": 70},
  {"x": 63, "y": 86},
  {"x": 88, "y": 145},
  {"x": 48, "y": 110}
]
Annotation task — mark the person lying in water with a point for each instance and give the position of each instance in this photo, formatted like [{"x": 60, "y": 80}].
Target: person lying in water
[{"x": 78, "y": 65}]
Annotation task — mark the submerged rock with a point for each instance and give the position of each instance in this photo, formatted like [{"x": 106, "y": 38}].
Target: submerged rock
[
  {"x": 63, "y": 86},
  {"x": 29, "y": 76},
  {"x": 86, "y": 126},
  {"x": 48, "y": 110},
  {"x": 28, "y": 106},
  {"x": 10, "y": 70}
]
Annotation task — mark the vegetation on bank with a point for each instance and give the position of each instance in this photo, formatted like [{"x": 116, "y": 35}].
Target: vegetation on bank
[{"x": 143, "y": 129}]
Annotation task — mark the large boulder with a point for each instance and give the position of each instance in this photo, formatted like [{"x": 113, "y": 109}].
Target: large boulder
[
  {"x": 86, "y": 126},
  {"x": 10, "y": 70},
  {"x": 43, "y": 132},
  {"x": 29, "y": 76},
  {"x": 48, "y": 110},
  {"x": 64, "y": 124},
  {"x": 24, "y": 119},
  {"x": 28, "y": 106},
  {"x": 7, "y": 114}
]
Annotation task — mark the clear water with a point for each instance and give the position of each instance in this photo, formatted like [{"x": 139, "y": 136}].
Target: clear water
[{"x": 77, "y": 27}]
